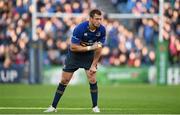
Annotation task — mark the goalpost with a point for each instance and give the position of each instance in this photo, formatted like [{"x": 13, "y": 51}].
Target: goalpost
[{"x": 36, "y": 47}]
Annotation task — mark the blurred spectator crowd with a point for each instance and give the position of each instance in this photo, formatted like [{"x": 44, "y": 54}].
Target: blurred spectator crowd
[
  {"x": 15, "y": 32},
  {"x": 64, "y": 6},
  {"x": 171, "y": 30},
  {"x": 124, "y": 46},
  {"x": 136, "y": 6}
]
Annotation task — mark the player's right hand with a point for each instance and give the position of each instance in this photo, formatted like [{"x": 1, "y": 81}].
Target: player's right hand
[{"x": 97, "y": 45}]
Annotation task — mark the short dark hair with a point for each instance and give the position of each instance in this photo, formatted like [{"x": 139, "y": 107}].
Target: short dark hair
[{"x": 93, "y": 12}]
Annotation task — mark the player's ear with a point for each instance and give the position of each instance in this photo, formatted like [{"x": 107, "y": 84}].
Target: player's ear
[{"x": 91, "y": 17}]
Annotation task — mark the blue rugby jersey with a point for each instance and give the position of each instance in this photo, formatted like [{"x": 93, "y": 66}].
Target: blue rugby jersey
[{"x": 83, "y": 36}]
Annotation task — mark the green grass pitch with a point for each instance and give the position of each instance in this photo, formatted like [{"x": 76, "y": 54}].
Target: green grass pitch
[{"x": 115, "y": 99}]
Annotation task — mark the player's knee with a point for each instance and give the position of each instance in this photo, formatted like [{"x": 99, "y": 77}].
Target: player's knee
[
  {"x": 65, "y": 81},
  {"x": 92, "y": 80}
]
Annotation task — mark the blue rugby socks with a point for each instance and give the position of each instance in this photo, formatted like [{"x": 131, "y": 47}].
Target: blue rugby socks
[
  {"x": 58, "y": 94},
  {"x": 62, "y": 87},
  {"x": 94, "y": 93}
]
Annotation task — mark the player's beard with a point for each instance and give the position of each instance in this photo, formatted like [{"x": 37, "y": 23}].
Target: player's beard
[{"x": 96, "y": 26}]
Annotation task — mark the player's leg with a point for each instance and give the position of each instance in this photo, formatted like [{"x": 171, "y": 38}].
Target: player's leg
[
  {"x": 93, "y": 89},
  {"x": 66, "y": 77}
]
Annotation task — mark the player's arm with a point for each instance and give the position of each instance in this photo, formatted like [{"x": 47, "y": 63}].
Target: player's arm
[
  {"x": 78, "y": 48},
  {"x": 76, "y": 39},
  {"x": 97, "y": 55}
]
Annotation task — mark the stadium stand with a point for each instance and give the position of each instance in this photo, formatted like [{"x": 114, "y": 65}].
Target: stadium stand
[
  {"x": 124, "y": 46},
  {"x": 136, "y": 6},
  {"x": 15, "y": 24}
]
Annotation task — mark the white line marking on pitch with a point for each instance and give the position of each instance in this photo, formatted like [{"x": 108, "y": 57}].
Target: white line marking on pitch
[
  {"x": 40, "y": 108},
  {"x": 28, "y": 108}
]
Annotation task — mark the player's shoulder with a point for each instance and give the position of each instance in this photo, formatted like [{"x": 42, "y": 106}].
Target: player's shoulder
[
  {"x": 102, "y": 28},
  {"x": 80, "y": 28},
  {"x": 82, "y": 25}
]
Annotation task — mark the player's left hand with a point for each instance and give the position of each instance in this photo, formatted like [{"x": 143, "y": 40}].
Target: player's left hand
[
  {"x": 99, "y": 45},
  {"x": 93, "y": 69},
  {"x": 96, "y": 45}
]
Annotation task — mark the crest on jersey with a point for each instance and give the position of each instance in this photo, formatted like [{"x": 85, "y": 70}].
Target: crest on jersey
[{"x": 98, "y": 34}]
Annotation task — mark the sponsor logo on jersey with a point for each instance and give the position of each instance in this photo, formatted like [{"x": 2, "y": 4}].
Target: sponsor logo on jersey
[
  {"x": 85, "y": 34},
  {"x": 98, "y": 34}
]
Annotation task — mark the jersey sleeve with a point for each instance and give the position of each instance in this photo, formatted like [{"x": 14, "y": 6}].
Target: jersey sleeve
[
  {"x": 77, "y": 35},
  {"x": 103, "y": 36}
]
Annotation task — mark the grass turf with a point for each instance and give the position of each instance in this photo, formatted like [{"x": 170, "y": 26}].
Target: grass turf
[{"x": 122, "y": 99}]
